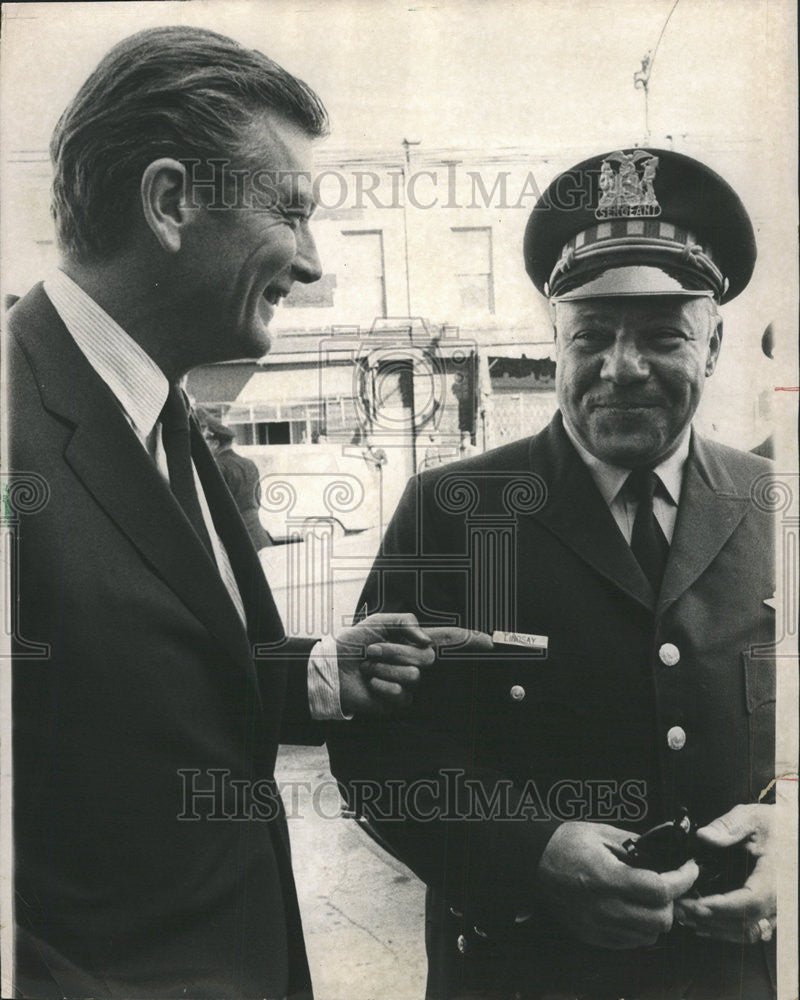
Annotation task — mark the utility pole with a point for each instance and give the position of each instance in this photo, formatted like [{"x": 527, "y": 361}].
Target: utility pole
[
  {"x": 641, "y": 78},
  {"x": 407, "y": 144}
]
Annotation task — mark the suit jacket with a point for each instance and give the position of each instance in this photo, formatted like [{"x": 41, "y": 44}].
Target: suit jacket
[
  {"x": 136, "y": 687},
  {"x": 495, "y": 752}
]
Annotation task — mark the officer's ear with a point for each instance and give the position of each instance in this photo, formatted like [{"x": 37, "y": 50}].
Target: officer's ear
[
  {"x": 714, "y": 343},
  {"x": 164, "y": 204}
]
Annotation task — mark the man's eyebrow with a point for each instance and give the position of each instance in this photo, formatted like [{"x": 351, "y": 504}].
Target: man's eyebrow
[
  {"x": 655, "y": 323},
  {"x": 589, "y": 315}
]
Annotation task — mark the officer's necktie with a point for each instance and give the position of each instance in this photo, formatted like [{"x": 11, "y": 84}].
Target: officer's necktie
[
  {"x": 175, "y": 437},
  {"x": 648, "y": 542}
]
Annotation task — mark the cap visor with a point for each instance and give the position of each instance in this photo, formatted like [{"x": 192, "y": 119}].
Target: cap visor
[{"x": 632, "y": 280}]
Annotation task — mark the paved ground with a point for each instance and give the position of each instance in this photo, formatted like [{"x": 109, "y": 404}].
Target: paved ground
[{"x": 362, "y": 910}]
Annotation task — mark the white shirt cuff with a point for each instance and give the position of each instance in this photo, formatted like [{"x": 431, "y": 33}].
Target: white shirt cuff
[{"x": 323, "y": 683}]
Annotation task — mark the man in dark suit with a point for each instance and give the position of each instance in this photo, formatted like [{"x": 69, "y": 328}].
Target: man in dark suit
[
  {"x": 627, "y": 565},
  {"x": 152, "y": 678}
]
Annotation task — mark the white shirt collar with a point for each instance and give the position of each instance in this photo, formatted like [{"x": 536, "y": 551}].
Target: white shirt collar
[
  {"x": 611, "y": 478},
  {"x": 135, "y": 379}
]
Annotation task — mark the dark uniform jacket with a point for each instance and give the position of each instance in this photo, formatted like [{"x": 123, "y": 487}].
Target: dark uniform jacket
[
  {"x": 133, "y": 677},
  {"x": 242, "y": 478},
  {"x": 642, "y": 705}
]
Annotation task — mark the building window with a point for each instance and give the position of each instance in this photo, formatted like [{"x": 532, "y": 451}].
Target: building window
[
  {"x": 295, "y": 422},
  {"x": 474, "y": 267},
  {"x": 361, "y": 277}
]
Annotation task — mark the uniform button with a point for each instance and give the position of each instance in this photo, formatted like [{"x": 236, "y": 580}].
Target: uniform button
[
  {"x": 676, "y": 738},
  {"x": 461, "y": 944},
  {"x": 517, "y": 692},
  {"x": 669, "y": 654}
]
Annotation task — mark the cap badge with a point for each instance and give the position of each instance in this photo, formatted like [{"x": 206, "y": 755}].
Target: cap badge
[{"x": 627, "y": 191}]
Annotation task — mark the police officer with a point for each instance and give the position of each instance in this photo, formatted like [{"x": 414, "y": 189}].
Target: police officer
[
  {"x": 642, "y": 556},
  {"x": 240, "y": 475}
]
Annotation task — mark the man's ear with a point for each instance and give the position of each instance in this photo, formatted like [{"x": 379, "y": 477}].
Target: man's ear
[
  {"x": 164, "y": 204},
  {"x": 714, "y": 345}
]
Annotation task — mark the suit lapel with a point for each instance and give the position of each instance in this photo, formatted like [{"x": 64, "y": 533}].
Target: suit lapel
[
  {"x": 576, "y": 512},
  {"x": 709, "y": 489},
  {"x": 263, "y": 621},
  {"x": 109, "y": 460}
]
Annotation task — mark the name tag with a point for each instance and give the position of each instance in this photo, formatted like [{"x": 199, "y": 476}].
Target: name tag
[{"x": 520, "y": 639}]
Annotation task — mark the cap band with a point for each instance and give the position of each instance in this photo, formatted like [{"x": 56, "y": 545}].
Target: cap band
[{"x": 668, "y": 259}]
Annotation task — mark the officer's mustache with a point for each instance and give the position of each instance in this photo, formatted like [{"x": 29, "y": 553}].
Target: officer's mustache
[{"x": 622, "y": 402}]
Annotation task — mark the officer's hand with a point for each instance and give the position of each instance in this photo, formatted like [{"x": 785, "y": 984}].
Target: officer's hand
[
  {"x": 381, "y": 659},
  {"x": 598, "y": 897},
  {"x": 746, "y": 914}
]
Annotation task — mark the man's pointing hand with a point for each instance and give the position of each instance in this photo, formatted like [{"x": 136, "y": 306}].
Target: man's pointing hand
[{"x": 382, "y": 658}]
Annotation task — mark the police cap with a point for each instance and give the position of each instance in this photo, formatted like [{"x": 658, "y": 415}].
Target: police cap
[
  {"x": 639, "y": 222},
  {"x": 212, "y": 426}
]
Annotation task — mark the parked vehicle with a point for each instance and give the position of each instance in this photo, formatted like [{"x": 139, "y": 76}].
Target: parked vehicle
[{"x": 303, "y": 484}]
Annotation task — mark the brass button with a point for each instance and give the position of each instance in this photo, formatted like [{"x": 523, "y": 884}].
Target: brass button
[
  {"x": 676, "y": 738},
  {"x": 517, "y": 692},
  {"x": 461, "y": 944}
]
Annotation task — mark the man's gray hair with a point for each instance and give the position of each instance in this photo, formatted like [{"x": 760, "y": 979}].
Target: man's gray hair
[{"x": 179, "y": 92}]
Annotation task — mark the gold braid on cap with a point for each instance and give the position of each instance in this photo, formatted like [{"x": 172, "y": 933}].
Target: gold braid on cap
[{"x": 635, "y": 241}]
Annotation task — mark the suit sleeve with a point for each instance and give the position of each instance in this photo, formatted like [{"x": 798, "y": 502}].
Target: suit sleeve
[
  {"x": 418, "y": 778},
  {"x": 296, "y": 726}
]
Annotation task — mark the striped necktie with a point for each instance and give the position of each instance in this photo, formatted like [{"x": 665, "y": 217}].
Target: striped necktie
[{"x": 175, "y": 437}]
